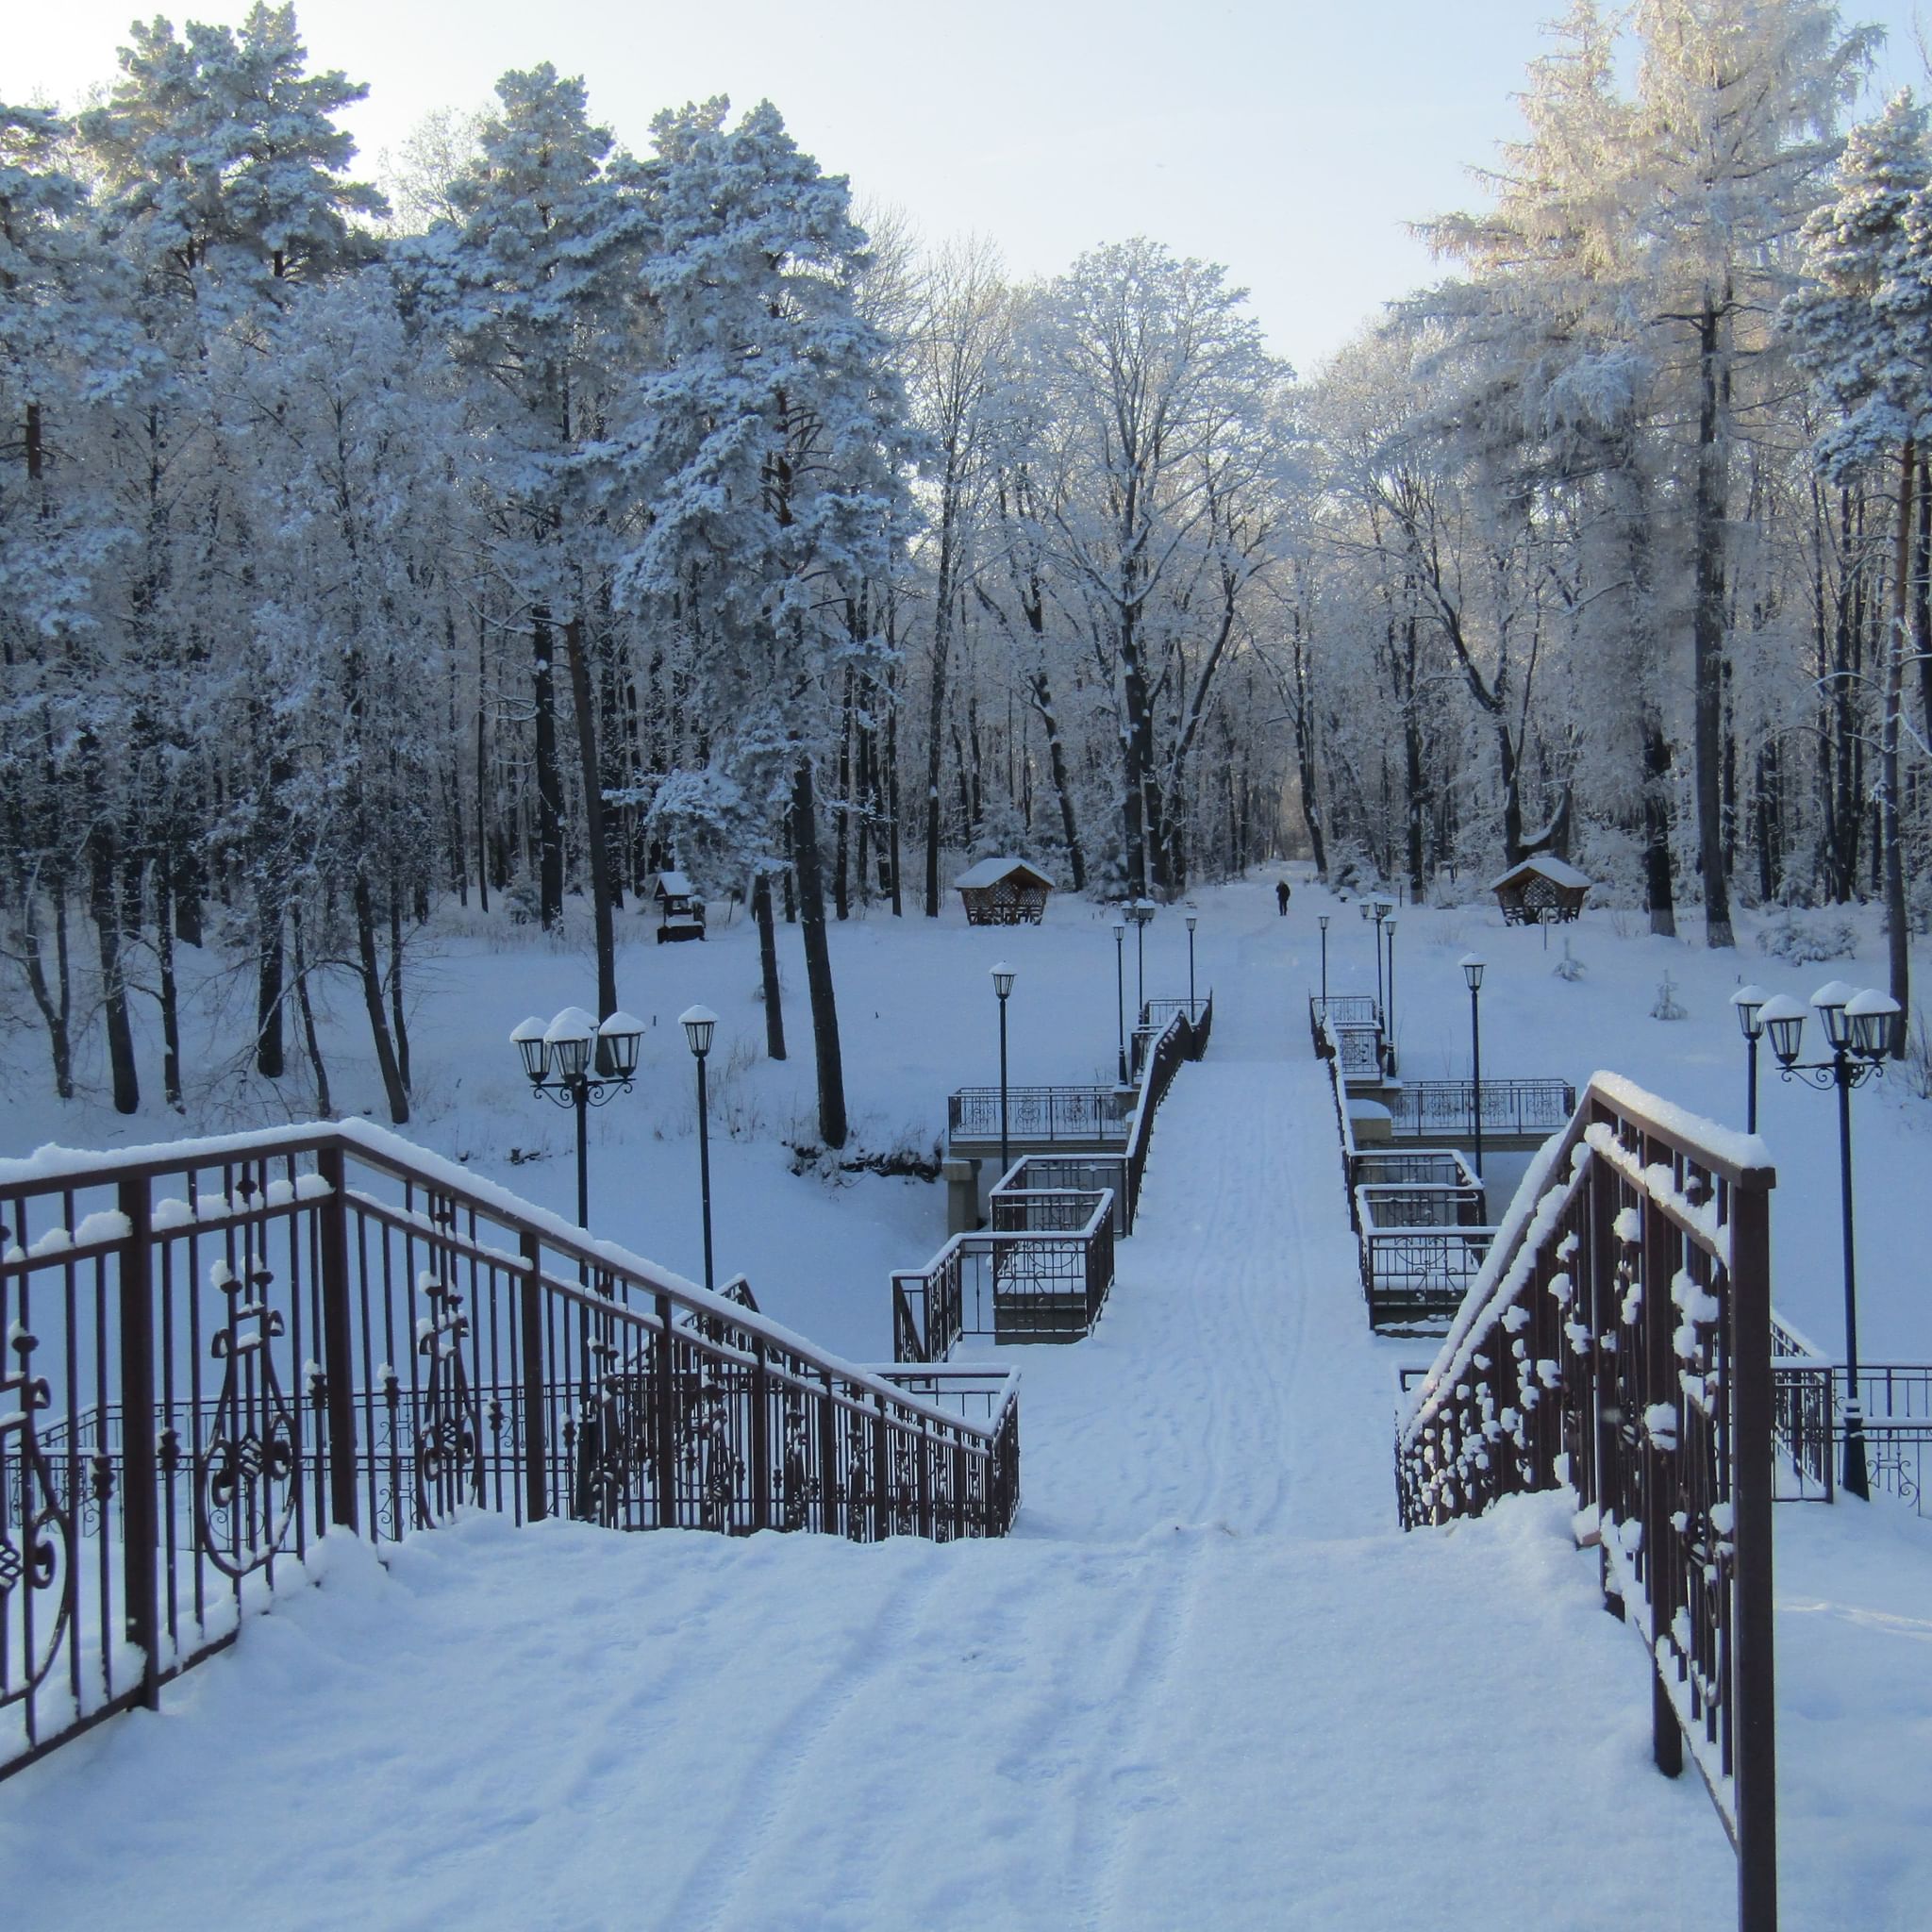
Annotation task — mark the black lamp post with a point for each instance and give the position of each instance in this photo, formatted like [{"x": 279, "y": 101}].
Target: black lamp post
[
  {"x": 1120, "y": 995},
  {"x": 1857, "y": 1027},
  {"x": 699, "y": 1024},
  {"x": 1194, "y": 920},
  {"x": 1473, "y": 975},
  {"x": 1378, "y": 909},
  {"x": 1002, "y": 977},
  {"x": 1749, "y": 1003},
  {"x": 1321, "y": 920},
  {"x": 1389, "y": 930},
  {"x": 1141, "y": 911},
  {"x": 558, "y": 1058}
]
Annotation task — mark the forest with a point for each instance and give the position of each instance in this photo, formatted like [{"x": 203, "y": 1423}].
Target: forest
[{"x": 549, "y": 514}]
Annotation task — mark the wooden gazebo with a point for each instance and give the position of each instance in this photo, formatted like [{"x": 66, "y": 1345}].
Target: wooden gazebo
[
  {"x": 680, "y": 911},
  {"x": 1541, "y": 887},
  {"x": 1003, "y": 892}
]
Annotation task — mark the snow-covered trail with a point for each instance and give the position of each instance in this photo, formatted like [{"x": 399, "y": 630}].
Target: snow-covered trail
[{"x": 1207, "y": 1684}]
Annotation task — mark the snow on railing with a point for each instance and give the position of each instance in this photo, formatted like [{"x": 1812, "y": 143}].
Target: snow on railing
[{"x": 1618, "y": 1340}]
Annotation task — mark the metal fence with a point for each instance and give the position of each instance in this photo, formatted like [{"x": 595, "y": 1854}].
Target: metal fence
[
  {"x": 327, "y": 1328},
  {"x": 1063, "y": 1172},
  {"x": 1619, "y": 1339},
  {"x": 1422, "y": 1244},
  {"x": 1040, "y": 1280},
  {"x": 1040, "y": 1113},
  {"x": 1338, "y": 1010},
  {"x": 1424, "y": 1110}
]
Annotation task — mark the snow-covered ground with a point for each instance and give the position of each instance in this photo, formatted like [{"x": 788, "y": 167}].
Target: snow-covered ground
[{"x": 1207, "y": 1683}]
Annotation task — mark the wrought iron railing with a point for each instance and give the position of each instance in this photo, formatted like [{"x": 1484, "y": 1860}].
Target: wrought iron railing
[
  {"x": 1040, "y": 1113},
  {"x": 324, "y": 1327},
  {"x": 1432, "y": 1110},
  {"x": 1338, "y": 1010},
  {"x": 1057, "y": 1174},
  {"x": 1037, "y": 1280},
  {"x": 1619, "y": 1339},
  {"x": 1421, "y": 1246},
  {"x": 1197, "y": 1023}
]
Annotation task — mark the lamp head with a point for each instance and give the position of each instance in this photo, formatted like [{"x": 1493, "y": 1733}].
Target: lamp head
[
  {"x": 1870, "y": 1014},
  {"x": 620, "y": 1037},
  {"x": 1749, "y": 1002},
  {"x": 1194, "y": 920},
  {"x": 699, "y": 1024},
  {"x": 528, "y": 1042},
  {"x": 569, "y": 1036},
  {"x": 1831, "y": 1000},
  {"x": 1783, "y": 1020},
  {"x": 1473, "y": 965},
  {"x": 1003, "y": 977},
  {"x": 1120, "y": 930},
  {"x": 1321, "y": 920}
]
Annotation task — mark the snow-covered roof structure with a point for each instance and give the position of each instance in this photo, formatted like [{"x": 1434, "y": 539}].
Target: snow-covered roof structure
[
  {"x": 1003, "y": 892},
  {"x": 1540, "y": 886},
  {"x": 672, "y": 885}
]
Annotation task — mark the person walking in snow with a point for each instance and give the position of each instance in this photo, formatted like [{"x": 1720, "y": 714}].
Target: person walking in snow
[{"x": 1282, "y": 897}]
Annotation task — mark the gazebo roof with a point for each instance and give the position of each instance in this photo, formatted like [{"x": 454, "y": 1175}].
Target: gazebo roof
[
  {"x": 672, "y": 885},
  {"x": 989, "y": 872},
  {"x": 1549, "y": 866}
]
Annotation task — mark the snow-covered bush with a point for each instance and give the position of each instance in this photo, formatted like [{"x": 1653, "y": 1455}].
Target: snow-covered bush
[
  {"x": 1667, "y": 1006},
  {"x": 1803, "y": 938},
  {"x": 1569, "y": 967}
]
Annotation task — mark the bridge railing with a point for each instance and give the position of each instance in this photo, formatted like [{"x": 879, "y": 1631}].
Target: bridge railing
[
  {"x": 1040, "y": 1113},
  {"x": 1432, "y": 1110},
  {"x": 324, "y": 1327},
  {"x": 1065, "y": 1174},
  {"x": 1337, "y": 1010},
  {"x": 1619, "y": 1339},
  {"x": 1040, "y": 1282}
]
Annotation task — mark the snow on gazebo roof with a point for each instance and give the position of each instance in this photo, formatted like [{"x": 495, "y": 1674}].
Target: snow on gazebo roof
[
  {"x": 989, "y": 872},
  {"x": 1550, "y": 868},
  {"x": 673, "y": 885}
]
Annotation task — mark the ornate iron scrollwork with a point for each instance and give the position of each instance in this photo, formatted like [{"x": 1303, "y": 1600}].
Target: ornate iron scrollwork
[
  {"x": 245, "y": 1477},
  {"x": 41, "y": 1563},
  {"x": 449, "y": 1468}
]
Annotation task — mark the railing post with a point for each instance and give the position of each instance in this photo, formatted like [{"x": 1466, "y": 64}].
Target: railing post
[
  {"x": 140, "y": 1550},
  {"x": 338, "y": 1342},
  {"x": 665, "y": 1433},
  {"x": 1659, "y": 1383},
  {"x": 760, "y": 1439},
  {"x": 1752, "y": 1682},
  {"x": 530, "y": 1325}
]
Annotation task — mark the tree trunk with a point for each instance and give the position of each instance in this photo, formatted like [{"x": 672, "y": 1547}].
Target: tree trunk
[
  {"x": 594, "y": 825},
  {"x": 1056, "y": 764},
  {"x": 1897, "y": 931},
  {"x": 768, "y": 966},
  {"x": 549, "y": 779},
  {"x": 107, "y": 916},
  {"x": 370, "y": 973},
  {"x": 171, "y": 1003},
  {"x": 1658, "y": 890},
  {"x": 325, "y": 1103},
  {"x": 818, "y": 958},
  {"x": 1708, "y": 636}
]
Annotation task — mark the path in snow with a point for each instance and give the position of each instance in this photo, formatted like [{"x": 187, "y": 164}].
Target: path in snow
[{"x": 1205, "y": 1684}]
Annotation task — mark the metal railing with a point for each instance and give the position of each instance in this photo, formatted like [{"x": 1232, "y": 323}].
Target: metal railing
[
  {"x": 1060, "y": 1172},
  {"x": 1338, "y": 1010},
  {"x": 327, "y": 1328},
  {"x": 1040, "y": 1113},
  {"x": 1432, "y": 1110},
  {"x": 1619, "y": 1339},
  {"x": 1421, "y": 1246},
  {"x": 1045, "y": 1278}
]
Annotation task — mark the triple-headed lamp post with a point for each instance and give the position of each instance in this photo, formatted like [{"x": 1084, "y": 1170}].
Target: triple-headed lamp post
[
  {"x": 1139, "y": 912},
  {"x": 699, "y": 1024},
  {"x": 1120, "y": 995},
  {"x": 1321, "y": 920},
  {"x": 1858, "y": 1029},
  {"x": 1003, "y": 977},
  {"x": 1194, "y": 920},
  {"x": 580, "y": 1064}
]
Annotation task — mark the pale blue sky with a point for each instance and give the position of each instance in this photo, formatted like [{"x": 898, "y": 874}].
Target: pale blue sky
[{"x": 1291, "y": 141}]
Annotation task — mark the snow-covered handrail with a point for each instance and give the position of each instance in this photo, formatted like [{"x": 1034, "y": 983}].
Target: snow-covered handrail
[{"x": 1619, "y": 1339}]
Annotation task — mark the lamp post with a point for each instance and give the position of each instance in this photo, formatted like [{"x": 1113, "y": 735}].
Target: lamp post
[
  {"x": 1378, "y": 909},
  {"x": 699, "y": 1024},
  {"x": 1389, "y": 930},
  {"x": 1472, "y": 976},
  {"x": 1139, "y": 912},
  {"x": 1321, "y": 920},
  {"x": 1857, "y": 1027},
  {"x": 1194, "y": 920},
  {"x": 1749, "y": 1004},
  {"x": 558, "y": 1058},
  {"x": 1003, "y": 984},
  {"x": 1120, "y": 995}
]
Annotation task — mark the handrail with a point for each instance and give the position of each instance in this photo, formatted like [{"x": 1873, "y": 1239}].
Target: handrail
[
  {"x": 1619, "y": 1339},
  {"x": 328, "y": 1328}
]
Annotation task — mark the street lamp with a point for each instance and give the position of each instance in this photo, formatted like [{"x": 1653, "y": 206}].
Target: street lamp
[
  {"x": 1858, "y": 1029},
  {"x": 1321, "y": 920},
  {"x": 558, "y": 1058},
  {"x": 1194, "y": 920},
  {"x": 1141, "y": 911},
  {"x": 1120, "y": 995},
  {"x": 1389, "y": 930},
  {"x": 1749, "y": 1002},
  {"x": 1473, "y": 975},
  {"x": 699, "y": 1024},
  {"x": 1378, "y": 909},
  {"x": 1002, "y": 977}
]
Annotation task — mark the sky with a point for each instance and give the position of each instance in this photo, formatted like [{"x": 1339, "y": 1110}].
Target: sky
[{"x": 1291, "y": 141}]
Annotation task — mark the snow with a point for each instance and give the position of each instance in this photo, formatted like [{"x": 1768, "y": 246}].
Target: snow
[
  {"x": 1205, "y": 1683},
  {"x": 989, "y": 872},
  {"x": 1550, "y": 868}
]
